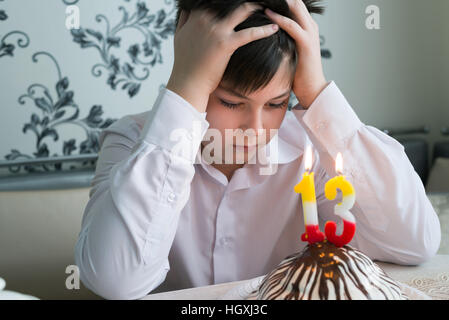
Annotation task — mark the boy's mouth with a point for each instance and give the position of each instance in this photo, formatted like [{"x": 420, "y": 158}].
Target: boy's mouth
[{"x": 245, "y": 147}]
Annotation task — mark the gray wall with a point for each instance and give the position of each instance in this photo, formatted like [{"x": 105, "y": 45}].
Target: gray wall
[
  {"x": 444, "y": 83},
  {"x": 396, "y": 76}
]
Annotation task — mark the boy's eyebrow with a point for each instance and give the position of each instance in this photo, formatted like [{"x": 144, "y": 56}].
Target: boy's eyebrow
[{"x": 235, "y": 93}]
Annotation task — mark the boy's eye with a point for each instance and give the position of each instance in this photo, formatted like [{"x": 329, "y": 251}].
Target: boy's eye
[
  {"x": 233, "y": 106},
  {"x": 280, "y": 105},
  {"x": 228, "y": 105}
]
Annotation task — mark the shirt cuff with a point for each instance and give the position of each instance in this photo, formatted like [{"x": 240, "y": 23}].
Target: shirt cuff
[
  {"x": 175, "y": 125},
  {"x": 330, "y": 119},
  {"x": 330, "y": 123}
]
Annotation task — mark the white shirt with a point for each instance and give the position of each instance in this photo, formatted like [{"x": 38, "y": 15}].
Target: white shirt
[{"x": 159, "y": 220}]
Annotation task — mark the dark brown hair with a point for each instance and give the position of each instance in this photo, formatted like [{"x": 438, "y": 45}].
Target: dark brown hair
[{"x": 253, "y": 65}]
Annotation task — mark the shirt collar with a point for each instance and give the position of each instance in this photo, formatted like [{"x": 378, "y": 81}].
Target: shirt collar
[{"x": 289, "y": 143}]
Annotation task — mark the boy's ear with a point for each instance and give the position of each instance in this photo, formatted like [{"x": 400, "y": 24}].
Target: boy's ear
[{"x": 183, "y": 17}]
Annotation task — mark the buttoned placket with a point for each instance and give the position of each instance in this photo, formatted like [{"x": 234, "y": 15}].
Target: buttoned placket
[
  {"x": 223, "y": 231},
  {"x": 222, "y": 245},
  {"x": 224, "y": 266}
]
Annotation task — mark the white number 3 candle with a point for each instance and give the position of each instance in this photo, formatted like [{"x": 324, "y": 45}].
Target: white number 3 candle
[{"x": 341, "y": 209}]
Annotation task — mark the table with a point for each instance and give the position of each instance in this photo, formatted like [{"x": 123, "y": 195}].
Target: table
[
  {"x": 440, "y": 202},
  {"x": 11, "y": 295},
  {"x": 431, "y": 277}
]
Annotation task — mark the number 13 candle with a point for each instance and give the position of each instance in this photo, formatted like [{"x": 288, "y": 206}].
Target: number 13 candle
[
  {"x": 307, "y": 190},
  {"x": 341, "y": 209}
]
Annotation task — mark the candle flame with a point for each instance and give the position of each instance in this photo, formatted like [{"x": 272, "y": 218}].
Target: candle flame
[
  {"x": 308, "y": 158},
  {"x": 339, "y": 163}
]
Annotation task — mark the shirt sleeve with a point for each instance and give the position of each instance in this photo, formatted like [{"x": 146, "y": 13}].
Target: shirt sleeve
[
  {"x": 141, "y": 184},
  {"x": 395, "y": 220}
]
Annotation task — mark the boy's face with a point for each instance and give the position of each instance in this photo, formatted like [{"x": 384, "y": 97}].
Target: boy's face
[{"x": 256, "y": 111}]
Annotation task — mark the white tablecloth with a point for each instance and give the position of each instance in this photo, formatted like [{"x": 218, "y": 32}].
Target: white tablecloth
[
  {"x": 432, "y": 278},
  {"x": 12, "y": 295},
  {"x": 440, "y": 202}
]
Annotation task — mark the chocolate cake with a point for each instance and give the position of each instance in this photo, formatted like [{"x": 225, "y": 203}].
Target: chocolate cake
[{"x": 323, "y": 271}]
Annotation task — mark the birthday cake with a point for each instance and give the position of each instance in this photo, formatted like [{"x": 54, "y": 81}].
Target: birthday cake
[
  {"x": 323, "y": 271},
  {"x": 327, "y": 268}
]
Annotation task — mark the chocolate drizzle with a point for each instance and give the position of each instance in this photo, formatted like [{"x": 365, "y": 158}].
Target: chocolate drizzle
[{"x": 324, "y": 271}]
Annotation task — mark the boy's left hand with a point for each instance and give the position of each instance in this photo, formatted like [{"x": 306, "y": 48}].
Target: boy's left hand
[{"x": 309, "y": 78}]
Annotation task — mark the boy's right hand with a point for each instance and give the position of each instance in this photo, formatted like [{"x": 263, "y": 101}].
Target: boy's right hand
[{"x": 203, "y": 48}]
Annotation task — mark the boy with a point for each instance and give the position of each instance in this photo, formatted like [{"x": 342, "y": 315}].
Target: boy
[{"x": 162, "y": 218}]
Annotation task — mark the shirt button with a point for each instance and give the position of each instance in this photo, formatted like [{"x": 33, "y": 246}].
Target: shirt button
[
  {"x": 321, "y": 125},
  {"x": 171, "y": 197},
  {"x": 224, "y": 241},
  {"x": 189, "y": 136}
]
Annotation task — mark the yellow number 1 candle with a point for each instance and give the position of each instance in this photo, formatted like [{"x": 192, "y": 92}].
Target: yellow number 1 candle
[
  {"x": 307, "y": 190},
  {"x": 341, "y": 209}
]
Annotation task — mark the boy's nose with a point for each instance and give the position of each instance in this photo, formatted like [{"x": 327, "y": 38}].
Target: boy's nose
[{"x": 254, "y": 122}]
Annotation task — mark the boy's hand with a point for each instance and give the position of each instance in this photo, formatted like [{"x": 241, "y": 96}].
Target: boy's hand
[
  {"x": 203, "y": 48},
  {"x": 309, "y": 77}
]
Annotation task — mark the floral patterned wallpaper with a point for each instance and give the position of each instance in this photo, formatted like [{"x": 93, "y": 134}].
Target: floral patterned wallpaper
[
  {"x": 125, "y": 48},
  {"x": 60, "y": 86}
]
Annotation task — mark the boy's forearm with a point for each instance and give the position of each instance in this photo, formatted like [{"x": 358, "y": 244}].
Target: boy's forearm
[{"x": 190, "y": 92}]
